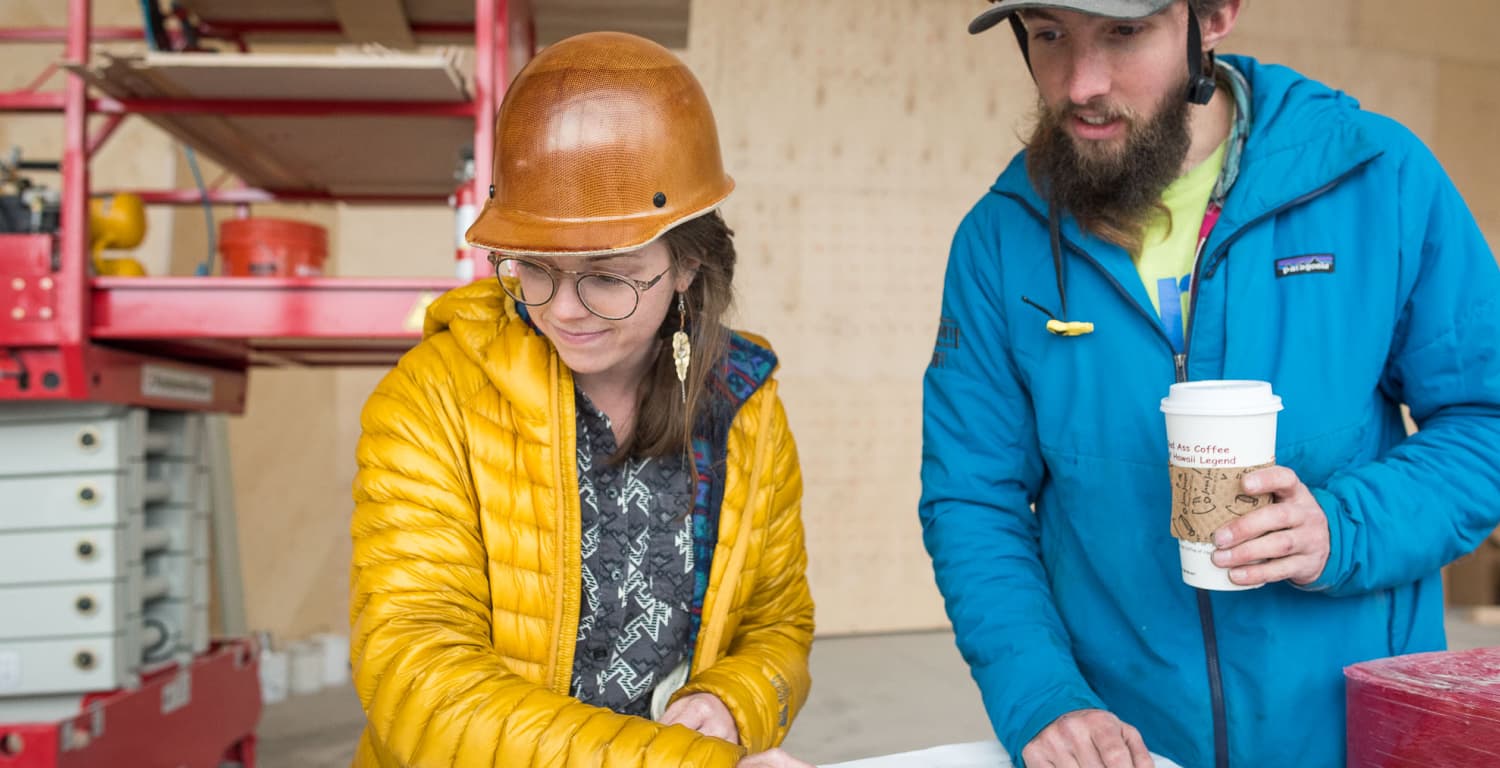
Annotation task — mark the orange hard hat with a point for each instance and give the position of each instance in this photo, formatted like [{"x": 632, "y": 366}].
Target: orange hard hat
[{"x": 604, "y": 141}]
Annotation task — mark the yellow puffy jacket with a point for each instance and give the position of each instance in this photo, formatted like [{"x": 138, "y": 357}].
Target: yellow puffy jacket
[{"x": 465, "y": 585}]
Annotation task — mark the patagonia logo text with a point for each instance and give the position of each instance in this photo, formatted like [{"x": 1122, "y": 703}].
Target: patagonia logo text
[
  {"x": 1304, "y": 265},
  {"x": 947, "y": 340}
]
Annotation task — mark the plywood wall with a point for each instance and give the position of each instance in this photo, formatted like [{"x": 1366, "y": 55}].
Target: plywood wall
[
  {"x": 859, "y": 134},
  {"x": 860, "y": 131}
]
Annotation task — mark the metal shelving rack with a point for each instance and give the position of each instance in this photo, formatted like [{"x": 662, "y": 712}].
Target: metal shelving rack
[
  {"x": 74, "y": 337},
  {"x": 108, "y": 390}
]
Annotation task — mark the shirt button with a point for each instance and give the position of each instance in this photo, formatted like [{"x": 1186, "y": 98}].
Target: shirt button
[
  {"x": 601, "y": 654},
  {"x": 615, "y": 574}
]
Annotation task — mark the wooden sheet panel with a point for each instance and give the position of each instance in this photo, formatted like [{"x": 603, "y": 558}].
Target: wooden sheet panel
[
  {"x": 1394, "y": 83},
  {"x": 375, "y": 21},
  {"x": 1468, "y": 108},
  {"x": 665, "y": 21},
  {"x": 52, "y": 13},
  {"x": 860, "y": 443},
  {"x": 293, "y": 519},
  {"x": 1448, "y": 29},
  {"x": 373, "y": 154},
  {"x": 1327, "y": 22},
  {"x": 859, "y": 134},
  {"x": 414, "y": 77}
]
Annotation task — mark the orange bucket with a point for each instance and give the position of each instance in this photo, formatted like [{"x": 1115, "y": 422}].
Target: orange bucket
[{"x": 265, "y": 247}]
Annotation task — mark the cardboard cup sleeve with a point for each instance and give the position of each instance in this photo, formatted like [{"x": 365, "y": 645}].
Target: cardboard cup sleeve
[{"x": 1204, "y": 500}]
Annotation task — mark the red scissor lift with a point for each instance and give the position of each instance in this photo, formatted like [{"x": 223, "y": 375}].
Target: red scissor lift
[{"x": 186, "y": 344}]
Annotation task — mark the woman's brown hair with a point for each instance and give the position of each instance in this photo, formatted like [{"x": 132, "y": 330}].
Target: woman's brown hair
[{"x": 663, "y": 423}]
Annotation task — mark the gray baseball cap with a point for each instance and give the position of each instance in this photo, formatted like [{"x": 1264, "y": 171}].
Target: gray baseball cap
[{"x": 1115, "y": 9}]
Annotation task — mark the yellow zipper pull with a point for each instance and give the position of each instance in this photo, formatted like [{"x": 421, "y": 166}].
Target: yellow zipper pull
[
  {"x": 1061, "y": 327},
  {"x": 1069, "y": 328}
]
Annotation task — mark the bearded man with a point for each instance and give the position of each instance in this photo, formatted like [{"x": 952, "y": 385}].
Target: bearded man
[{"x": 1176, "y": 217}]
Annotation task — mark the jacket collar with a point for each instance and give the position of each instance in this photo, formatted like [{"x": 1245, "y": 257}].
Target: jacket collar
[
  {"x": 499, "y": 336},
  {"x": 1303, "y": 136}
]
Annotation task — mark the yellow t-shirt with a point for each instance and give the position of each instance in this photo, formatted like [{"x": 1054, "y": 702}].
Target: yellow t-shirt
[{"x": 1166, "y": 260}]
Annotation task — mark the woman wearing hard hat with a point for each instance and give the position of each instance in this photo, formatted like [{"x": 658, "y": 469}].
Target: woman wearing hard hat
[{"x": 577, "y": 532}]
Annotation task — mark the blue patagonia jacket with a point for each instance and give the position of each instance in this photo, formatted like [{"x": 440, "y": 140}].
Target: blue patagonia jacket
[{"x": 1081, "y": 603}]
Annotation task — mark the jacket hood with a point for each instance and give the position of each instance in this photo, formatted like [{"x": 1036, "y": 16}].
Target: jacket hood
[
  {"x": 481, "y": 301},
  {"x": 483, "y": 323}
]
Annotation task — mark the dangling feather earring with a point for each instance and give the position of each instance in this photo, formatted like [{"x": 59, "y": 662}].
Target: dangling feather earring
[{"x": 682, "y": 349}]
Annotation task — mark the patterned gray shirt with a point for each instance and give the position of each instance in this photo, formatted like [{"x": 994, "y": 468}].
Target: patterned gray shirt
[{"x": 636, "y": 616}]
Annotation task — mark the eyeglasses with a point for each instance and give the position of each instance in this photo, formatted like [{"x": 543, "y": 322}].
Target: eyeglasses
[{"x": 609, "y": 296}]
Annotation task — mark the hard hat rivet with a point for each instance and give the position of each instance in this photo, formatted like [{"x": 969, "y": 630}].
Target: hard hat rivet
[{"x": 660, "y": 200}]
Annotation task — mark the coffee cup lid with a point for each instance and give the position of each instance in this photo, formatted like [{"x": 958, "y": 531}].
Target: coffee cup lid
[{"x": 1223, "y": 397}]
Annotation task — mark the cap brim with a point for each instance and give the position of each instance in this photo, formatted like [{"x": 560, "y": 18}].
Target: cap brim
[
  {"x": 1115, "y": 9},
  {"x": 990, "y": 18}
]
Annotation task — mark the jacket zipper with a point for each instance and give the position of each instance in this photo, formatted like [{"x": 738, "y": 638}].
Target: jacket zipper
[
  {"x": 711, "y": 635},
  {"x": 1205, "y": 601},
  {"x": 568, "y": 546},
  {"x": 1180, "y": 372},
  {"x": 1205, "y": 607}
]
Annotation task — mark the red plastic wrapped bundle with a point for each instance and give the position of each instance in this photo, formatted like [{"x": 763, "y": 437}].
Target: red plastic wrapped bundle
[{"x": 1427, "y": 710}]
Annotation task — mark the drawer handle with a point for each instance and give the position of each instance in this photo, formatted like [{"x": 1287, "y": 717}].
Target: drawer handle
[
  {"x": 87, "y": 494},
  {"x": 84, "y": 660},
  {"x": 11, "y": 744},
  {"x": 85, "y": 604},
  {"x": 88, "y": 439},
  {"x": 86, "y": 550}
]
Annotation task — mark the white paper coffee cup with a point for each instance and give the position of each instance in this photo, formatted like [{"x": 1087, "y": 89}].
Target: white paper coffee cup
[{"x": 1215, "y": 429}]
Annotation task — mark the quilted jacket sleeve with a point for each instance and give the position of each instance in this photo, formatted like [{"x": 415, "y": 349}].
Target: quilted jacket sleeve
[
  {"x": 432, "y": 686},
  {"x": 763, "y": 678},
  {"x": 982, "y": 468}
]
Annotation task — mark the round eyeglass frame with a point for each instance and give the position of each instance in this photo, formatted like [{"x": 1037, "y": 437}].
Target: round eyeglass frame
[{"x": 579, "y": 276}]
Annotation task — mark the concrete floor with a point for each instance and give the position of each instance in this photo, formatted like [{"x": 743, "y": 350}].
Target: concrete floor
[{"x": 874, "y": 695}]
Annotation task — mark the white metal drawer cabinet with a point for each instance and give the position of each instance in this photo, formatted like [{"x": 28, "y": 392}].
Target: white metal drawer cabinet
[
  {"x": 79, "y": 554},
  {"x": 69, "y": 443},
  {"x": 29, "y": 667},
  {"x": 70, "y": 501},
  {"x": 63, "y": 610}
]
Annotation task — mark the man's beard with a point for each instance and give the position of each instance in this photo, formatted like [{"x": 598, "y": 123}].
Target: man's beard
[{"x": 1111, "y": 193}]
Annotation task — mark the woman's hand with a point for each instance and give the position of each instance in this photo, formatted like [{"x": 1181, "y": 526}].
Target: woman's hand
[{"x": 704, "y": 713}]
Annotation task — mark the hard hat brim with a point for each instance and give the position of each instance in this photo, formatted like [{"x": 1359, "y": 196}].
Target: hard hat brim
[{"x": 517, "y": 233}]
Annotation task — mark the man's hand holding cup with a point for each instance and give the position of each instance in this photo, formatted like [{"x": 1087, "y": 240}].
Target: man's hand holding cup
[{"x": 1287, "y": 540}]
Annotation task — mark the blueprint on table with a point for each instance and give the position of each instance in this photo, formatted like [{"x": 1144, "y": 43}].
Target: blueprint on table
[{"x": 980, "y": 754}]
